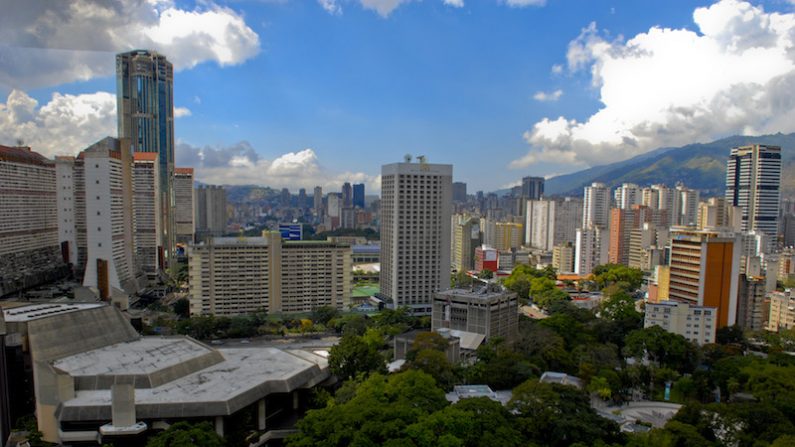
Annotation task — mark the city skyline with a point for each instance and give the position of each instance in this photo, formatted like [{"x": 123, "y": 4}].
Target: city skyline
[{"x": 538, "y": 107}]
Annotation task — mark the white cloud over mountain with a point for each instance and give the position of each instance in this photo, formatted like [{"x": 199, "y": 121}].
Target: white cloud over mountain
[
  {"x": 668, "y": 87},
  {"x": 45, "y": 43}
]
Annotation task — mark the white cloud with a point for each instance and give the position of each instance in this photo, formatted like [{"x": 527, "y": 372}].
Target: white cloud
[
  {"x": 557, "y": 69},
  {"x": 454, "y": 3},
  {"x": 48, "y": 43},
  {"x": 548, "y": 96},
  {"x": 179, "y": 112},
  {"x": 331, "y": 6},
  {"x": 525, "y": 3},
  {"x": 66, "y": 125},
  {"x": 240, "y": 164},
  {"x": 668, "y": 87},
  {"x": 382, "y": 7}
]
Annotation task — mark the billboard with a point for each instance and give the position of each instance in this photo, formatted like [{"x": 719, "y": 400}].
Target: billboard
[{"x": 291, "y": 231}]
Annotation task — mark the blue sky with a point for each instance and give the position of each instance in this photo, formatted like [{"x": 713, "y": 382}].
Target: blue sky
[{"x": 457, "y": 84}]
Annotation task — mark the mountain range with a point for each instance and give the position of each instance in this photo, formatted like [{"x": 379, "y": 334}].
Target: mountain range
[{"x": 699, "y": 166}]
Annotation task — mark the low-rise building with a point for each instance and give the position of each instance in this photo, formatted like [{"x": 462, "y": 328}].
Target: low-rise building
[
  {"x": 485, "y": 310},
  {"x": 696, "y": 323},
  {"x": 782, "y": 310}
]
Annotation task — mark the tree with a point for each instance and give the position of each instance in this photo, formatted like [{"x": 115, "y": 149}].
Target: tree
[
  {"x": 324, "y": 314},
  {"x": 374, "y": 412},
  {"x": 182, "y": 307},
  {"x": 662, "y": 347},
  {"x": 619, "y": 306},
  {"x": 461, "y": 279},
  {"x": 499, "y": 367},
  {"x": 486, "y": 274},
  {"x": 353, "y": 356},
  {"x": 607, "y": 274},
  {"x": 184, "y": 434},
  {"x": 559, "y": 415},
  {"x": 730, "y": 334}
]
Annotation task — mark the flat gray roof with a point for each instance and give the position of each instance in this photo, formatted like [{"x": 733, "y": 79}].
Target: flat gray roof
[
  {"x": 22, "y": 314},
  {"x": 243, "y": 377}
]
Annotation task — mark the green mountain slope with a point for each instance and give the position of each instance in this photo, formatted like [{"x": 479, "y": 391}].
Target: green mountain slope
[{"x": 701, "y": 166}]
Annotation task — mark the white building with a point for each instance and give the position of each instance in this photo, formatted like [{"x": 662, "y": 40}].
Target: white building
[
  {"x": 696, "y": 323},
  {"x": 753, "y": 183},
  {"x": 146, "y": 206},
  {"x": 591, "y": 249},
  {"x": 109, "y": 217},
  {"x": 65, "y": 192},
  {"x": 627, "y": 195},
  {"x": 552, "y": 222},
  {"x": 688, "y": 206},
  {"x": 416, "y": 206},
  {"x": 596, "y": 206},
  {"x": 184, "y": 205}
]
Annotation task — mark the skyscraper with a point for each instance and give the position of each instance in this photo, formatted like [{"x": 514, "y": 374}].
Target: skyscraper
[
  {"x": 596, "y": 206},
  {"x": 532, "y": 188},
  {"x": 628, "y": 194},
  {"x": 358, "y": 195},
  {"x": 415, "y": 233},
  {"x": 145, "y": 111},
  {"x": 753, "y": 182},
  {"x": 184, "y": 205},
  {"x": 317, "y": 199},
  {"x": 210, "y": 211},
  {"x": 459, "y": 192},
  {"x": 347, "y": 195}
]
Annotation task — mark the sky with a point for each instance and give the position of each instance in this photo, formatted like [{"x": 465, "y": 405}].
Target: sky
[{"x": 298, "y": 93}]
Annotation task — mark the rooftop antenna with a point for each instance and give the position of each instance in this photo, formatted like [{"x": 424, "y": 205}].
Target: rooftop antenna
[
  {"x": 421, "y": 159},
  {"x": 407, "y": 158}
]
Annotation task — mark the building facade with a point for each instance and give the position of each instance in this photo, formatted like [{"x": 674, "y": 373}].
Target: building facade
[
  {"x": 416, "y": 202},
  {"x": 146, "y": 207},
  {"x": 484, "y": 310},
  {"x": 210, "y": 211},
  {"x": 184, "y": 206},
  {"x": 145, "y": 113},
  {"x": 753, "y": 183},
  {"x": 782, "y": 310},
  {"x": 596, "y": 206},
  {"x": 696, "y": 323},
  {"x": 552, "y": 222},
  {"x": 590, "y": 249},
  {"x": 30, "y": 252}
]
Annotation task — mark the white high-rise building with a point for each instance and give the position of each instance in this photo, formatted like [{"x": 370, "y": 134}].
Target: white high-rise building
[
  {"x": 753, "y": 183},
  {"x": 687, "y": 211},
  {"x": 416, "y": 206},
  {"x": 596, "y": 206},
  {"x": 552, "y": 222},
  {"x": 184, "y": 205},
  {"x": 109, "y": 216},
  {"x": 146, "y": 206},
  {"x": 591, "y": 249},
  {"x": 627, "y": 195},
  {"x": 65, "y": 192}
]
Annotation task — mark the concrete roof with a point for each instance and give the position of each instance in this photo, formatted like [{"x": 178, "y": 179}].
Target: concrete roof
[
  {"x": 244, "y": 376},
  {"x": 148, "y": 362},
  {"x": 38, "y": 311}
]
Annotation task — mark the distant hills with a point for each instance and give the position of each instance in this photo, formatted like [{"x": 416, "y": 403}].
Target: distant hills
[{"x": 699, "y": 166}]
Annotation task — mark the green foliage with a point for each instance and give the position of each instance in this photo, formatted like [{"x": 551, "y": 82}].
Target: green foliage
[
  {"x": 486, "y": 274},
  {"x": 353, "y": 356},
  {"x": 663, "y": 348},
  {"x": 184, "y": 434},
  {"x": 730, "y": 334},
  {"x": 607, "y": 274},
  {"x": 28, "y": 424},
  {"x": 324, "y": 314},
  {"x": 182, "y": 307},
  {"x": 500, "y": 367},
  {"x": 559, "y": 415},
  {"x": 525, "y": 278},
  {"x": 461, "y": 279},
  {"x": 377, "y": 412}
]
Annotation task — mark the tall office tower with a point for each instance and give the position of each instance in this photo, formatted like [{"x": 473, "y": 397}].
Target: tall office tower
[
  {"x": 210, "y": 211},
  {"x": 145, "y": 113},
  {"x": 302, "y": 198},
  {"x": 788, "y": 230},
  {"x": 347, "y": 195},
  {"x": 712, "y": 214},
  {"x": 108, "y": 188},
  {"x": 549, "y": 223},
  {"x": 687, "y": 210},
  {"x": 459, "y": 192},
  {"x": 753, "y": 182},
  {"x": 348, "y": 218},
  {"x": 466, "y": 237},
  {"x": 532, "y": 188},
  {"x": 622, "y": 222},
  {"x": 563, "y": 257},
  {"x": 29, "y": 250},
  {"x": 705, "y": 268},
  {"x": 596, "y": 206},
  {"x": 627, "y": 195},
  {"x": 358, "y": 195},
  {"x": 334, "y": 207},
  {"x": 317, "y": 199},
  {"x": 284, "y": 197},
  {"x": 507, "y": 236},
  {"x": 751, "y": 306},
  {"x": 184, "y": 206},
  {"x": 590, "y": 250},
  {"x": 664, "y": 204},
  {"x": 67, "y": 211},
  {"x": 416, "y": 202},
  {"x": 146, "y": 203}
]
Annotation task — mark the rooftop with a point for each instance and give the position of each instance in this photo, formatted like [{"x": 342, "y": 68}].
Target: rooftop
[
  {"x": 38, "y": 311},
  {"x": 479, "y": 292},
  {"x": 244, "y": 376},
  {"x": 22, "y": 155}
]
